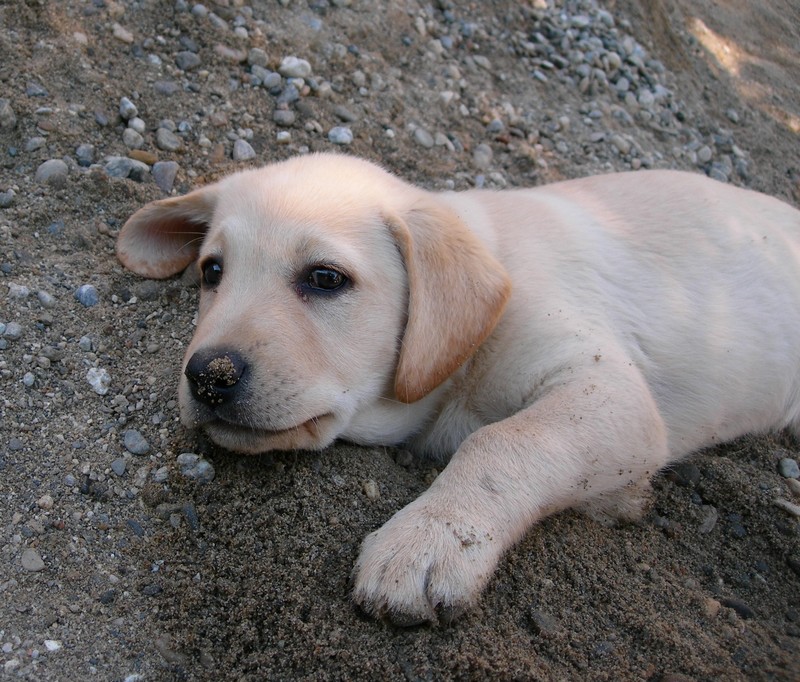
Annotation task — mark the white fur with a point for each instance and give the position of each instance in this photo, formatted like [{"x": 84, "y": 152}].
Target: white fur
[{"x": 651, "y": 314}]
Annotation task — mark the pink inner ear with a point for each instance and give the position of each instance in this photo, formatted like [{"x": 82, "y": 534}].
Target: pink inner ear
[{"x": 162, "y": 238}]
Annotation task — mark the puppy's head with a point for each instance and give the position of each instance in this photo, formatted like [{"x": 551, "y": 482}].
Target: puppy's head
[{"x": 327, "y": 285}]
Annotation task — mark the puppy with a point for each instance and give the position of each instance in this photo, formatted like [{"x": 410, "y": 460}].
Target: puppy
[{"x": 559, "y": 345}]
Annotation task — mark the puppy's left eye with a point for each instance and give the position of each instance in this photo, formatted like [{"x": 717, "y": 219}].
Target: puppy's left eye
[{"x": 325, "y": 279}]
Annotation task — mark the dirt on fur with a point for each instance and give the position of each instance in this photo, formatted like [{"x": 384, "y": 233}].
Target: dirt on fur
[{"x": 124, "y": 558}]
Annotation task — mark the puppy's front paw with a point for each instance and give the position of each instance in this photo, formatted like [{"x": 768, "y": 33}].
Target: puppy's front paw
[{"x": 424, "y": 565}]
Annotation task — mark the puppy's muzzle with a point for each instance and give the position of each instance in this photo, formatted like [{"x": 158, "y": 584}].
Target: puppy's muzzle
[{"x": 214, "y": 376}]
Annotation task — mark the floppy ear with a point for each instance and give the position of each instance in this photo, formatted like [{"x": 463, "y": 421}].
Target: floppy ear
[
  {"x": 457, "y": 292},
  {"x": 164, "y": 236}
]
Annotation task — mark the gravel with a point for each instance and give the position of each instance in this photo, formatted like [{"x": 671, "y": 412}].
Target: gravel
[{"x": 131, "y": 549}]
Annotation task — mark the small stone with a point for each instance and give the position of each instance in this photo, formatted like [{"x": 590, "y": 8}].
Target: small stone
[
  {"x": 186, "y": 61},
  {"x": 742, "y": 609},
  {"x": 709, "y": 516},
  {"x": 711, "y": 607},
  {"x": 161, "y": 475},
  {"x": 194, "y": 466},
  {"x": 284, "y": 117},
  {"x": 87, "y": 295},
  {"x": 733, "y": 115},
  {"x": 790, "y": 507},
  {"x": 257, "y": 57},
  {"x": 123, "y": 34},
  {"x": 127, "y": 109},
  {"x": 340, "y": 135},
  {"x": 8, "y": 119},
  {"x": 131, "y": 139},
  {"x": 704, "y": 154},
  {"x": 135, "y": 442},
  {"x": 371, "y": 489},
  {"x": 684, "y": 474},
  {"x": 344, "y": 114},
  {"x": 788, "y": 468},
  {"x": 283, "y": 137},
  {"x": 543, "y": 623},
  {"x": 622, "y": 145},
  {"x": 164, "y": 173},
  {"x": 45, "y": 502},
  {"x": 18, "y": 291},
  {"x": 423, "y": 138},
  {"x": 482, "y": 156},
  {"x": 28, "y": 379},
  {"x": 143, "y": 156},
  {"x": 12, "y": 331},
  {"x": 118, "y": 166},
  {"x": 52, "y": 644},
  {"x": 293, "y": 67},
  {"x": 53, "y": 172},
  {"x": 32, "y": 561},
  {"x": 166, "y": 88},
  {"x": 243, "y": 151},
  {"x": 137, "y": 124},
  {"x": 7, "y": 198},
  {"x": 167, "y": 140},
  {"x": 118, "y": 466},
  {"x": 99, "y": 379},
  {"x": 85, "y": 155},
  {"x": 231, "y": 54}
]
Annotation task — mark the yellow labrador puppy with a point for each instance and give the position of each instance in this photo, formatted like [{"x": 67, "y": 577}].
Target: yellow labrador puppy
[{"x": 559, "y": 345}]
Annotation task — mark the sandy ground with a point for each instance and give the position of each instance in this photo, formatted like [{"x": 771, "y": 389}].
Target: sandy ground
[{"x": 117, "y": 566}]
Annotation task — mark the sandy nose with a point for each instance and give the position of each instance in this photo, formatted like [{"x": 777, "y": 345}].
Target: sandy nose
[{"x": 214, "y": 375}]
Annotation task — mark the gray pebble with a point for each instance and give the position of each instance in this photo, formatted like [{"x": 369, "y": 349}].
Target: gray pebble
[
  {"x": 161, "y": 475},
  {"x": 32, "y": 561},
  {"x": 118, "y": 466},
  {"x": 166, "y": 88},
  {"x": 257, "y": 57},
  {"x": 8, "y": 119},
  {"x": 293, "y": 67},
  {"x": 164, "y": 173},
  {"x": 46, "y": 299},
  {"x": 85, "y": 344},
  {"x": 344, "y": 114},
  {"x": 131, "y": 139},
  {"x": 52, "y": 172},
  {"x": 18, "y": 291},
  {"x": 35, "y": 143},
  {"x": 118, "y": 166},
  {"x": 194, "y": 466},
  {"x": 28, "y": 379},
  {"x": 85, "y": 154},
  {"x": 423, "y": 138},
  {"x": 7, "y": 198},
  {"x": 135, "y": 442},
  {"x": 127, "y": 109},
  {"x": 137, "y": 124},
  {"x": 704, "y": 154},
  {"x": 99, "y": 379},
  {"x": 13, "y": 331},
  {"x": 622, "y": 145},
  {"x": 167, "y": 140},
  {"x": 341, "y": 135},
  {"x": 788, "y": 468},
  {"x": 35, "y": 90},
  {"x": 284, "y": 117},
  {"x": 187, "y": 61},
  {"x": 482, "y": 156},
  {"x": 243, "y": 151},
  {"x": 87, "y": 295}
]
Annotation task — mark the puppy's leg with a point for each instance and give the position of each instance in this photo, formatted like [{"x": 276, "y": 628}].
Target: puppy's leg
[{"x": 593, "y": 434}]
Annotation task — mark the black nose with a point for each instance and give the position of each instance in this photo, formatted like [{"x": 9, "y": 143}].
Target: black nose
[{"x": 214, "y": 375}]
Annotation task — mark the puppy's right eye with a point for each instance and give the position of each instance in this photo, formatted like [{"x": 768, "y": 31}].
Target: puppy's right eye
[{"x": 212, "y": 273}]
